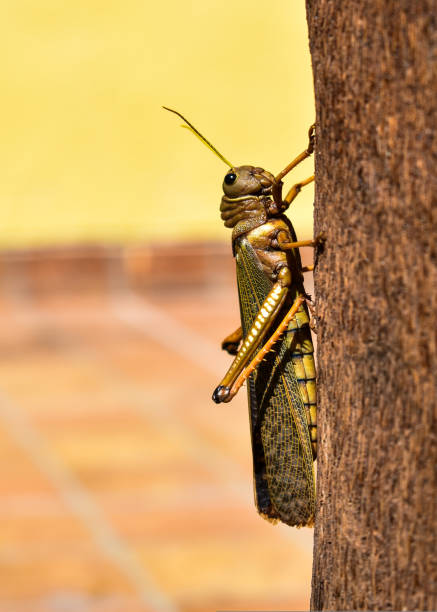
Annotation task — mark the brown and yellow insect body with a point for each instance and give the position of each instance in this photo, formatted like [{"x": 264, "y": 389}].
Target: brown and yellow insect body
[
  {"x": 273, "y": 348},
  {"x": 281, "y": 388}
]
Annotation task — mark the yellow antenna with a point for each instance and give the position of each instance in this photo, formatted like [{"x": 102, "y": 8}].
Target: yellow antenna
[{"x": 199, "y": 135}]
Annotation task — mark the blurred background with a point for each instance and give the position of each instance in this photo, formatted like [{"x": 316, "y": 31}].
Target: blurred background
[{"x": 123, "y": 487}]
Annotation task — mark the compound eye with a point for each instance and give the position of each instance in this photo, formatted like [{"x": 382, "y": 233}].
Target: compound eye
[{"x": 230, "y": 178}]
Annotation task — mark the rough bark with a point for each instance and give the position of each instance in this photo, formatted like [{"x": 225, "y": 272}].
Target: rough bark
[{"x": 376, "y": 289}]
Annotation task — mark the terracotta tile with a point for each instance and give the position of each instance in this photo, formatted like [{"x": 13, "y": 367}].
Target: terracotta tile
[
  {"x": 17, "y": 471},
  {"x": 222, "y": 567},
  {"x": 20, "y": 532},
  {"x": 38, "y": 575},
  {"x": 76, "y": 600}
]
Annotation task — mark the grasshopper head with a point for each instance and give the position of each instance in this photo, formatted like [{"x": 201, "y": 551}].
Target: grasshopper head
[
  {"x": 247, "y": 180},
  {"x": 247, "y": 200}
]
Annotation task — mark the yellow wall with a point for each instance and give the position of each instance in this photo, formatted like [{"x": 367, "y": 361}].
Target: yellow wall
[{"x": 87, "y": 153}]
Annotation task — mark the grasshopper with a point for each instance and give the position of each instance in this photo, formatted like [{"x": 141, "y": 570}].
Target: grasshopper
[{"x": 273, "y": 348}]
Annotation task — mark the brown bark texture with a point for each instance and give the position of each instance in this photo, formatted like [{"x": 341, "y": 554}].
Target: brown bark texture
[{"x": 376, "y": 293}]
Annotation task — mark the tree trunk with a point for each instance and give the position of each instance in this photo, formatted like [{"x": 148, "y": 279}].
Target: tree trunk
[{"x": 376, "y": 290}]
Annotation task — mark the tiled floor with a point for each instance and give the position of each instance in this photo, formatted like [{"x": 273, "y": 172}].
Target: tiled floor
[{"x": 123, "y": 487}]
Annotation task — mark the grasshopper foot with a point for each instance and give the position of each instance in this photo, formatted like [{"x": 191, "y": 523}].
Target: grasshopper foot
[
  {"x": 320, "y": 239},
  {"x": 311, "y": 139},
  {"x": 313, "y": 324},
  {"x": 221, "y": 394},
  {"x": 230, "y": 347}
]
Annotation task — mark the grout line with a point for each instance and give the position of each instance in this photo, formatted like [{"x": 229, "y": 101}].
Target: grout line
[
  {"x": 166, "y": 331},
  {"x": 82, "y": 505}
]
